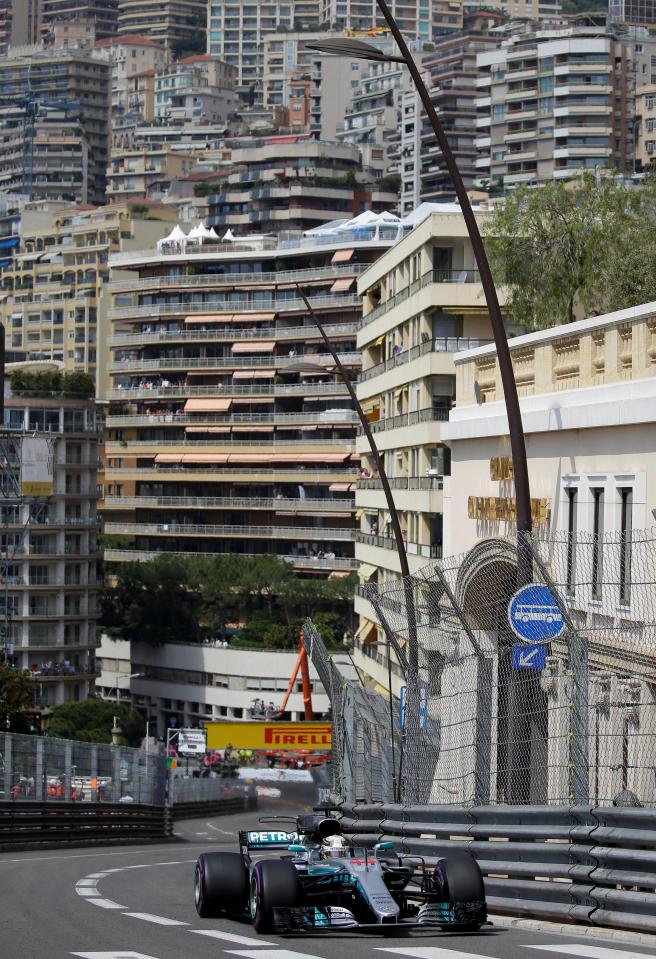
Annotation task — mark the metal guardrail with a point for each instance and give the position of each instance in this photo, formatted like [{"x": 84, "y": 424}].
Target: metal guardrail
[
  {"x": 28, "y": 823},
  {"x": 571, "y": 863},
  {"x": 189, "y": 798}
]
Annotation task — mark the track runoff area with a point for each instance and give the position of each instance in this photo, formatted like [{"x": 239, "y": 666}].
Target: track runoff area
[{"x": 138, "y": 903}]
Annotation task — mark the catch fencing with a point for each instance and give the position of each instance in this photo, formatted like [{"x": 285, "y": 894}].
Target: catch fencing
[
  {"x": 574, "y": 864},
  {"x": 489, "y": 719}
]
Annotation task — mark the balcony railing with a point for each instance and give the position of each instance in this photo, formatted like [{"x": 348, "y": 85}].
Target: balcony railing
[
  {"x": 440, "y": 344},
  {"x": 300, "y": 562},
  {"x": 433, "y": 551},
  {"x": 431, "y": 276},
  {"x": 130, "y": 393},
  {"x": 212, "y": 363},
  {"x": 404, "y": 482},
  {"x": 238, "y": 279},
  {"x": 251, "y": 532},
  {"x": 227, "y": 333},
  {"x": 429, "y": 415},
  {"x": 182, "y": 308},
  {"x": 321, "y": 472},
  {"x": 116, "y": 446},
  {"x": 178, "y": 418},
  {"x": 231, "y": 502}
]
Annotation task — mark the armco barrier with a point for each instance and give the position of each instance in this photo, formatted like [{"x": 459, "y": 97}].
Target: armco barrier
[
  {"x": 29, "y": 824},
  {"x": 188, "y": 798},
  {"x": 595, "y": 866}
]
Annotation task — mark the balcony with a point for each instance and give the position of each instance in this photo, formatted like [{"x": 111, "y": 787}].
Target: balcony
[
  {"x": 433, "y": 551},
  {"x": 404, "y": 482},
  {"x": 327, "y": 418},
  {"x": 437, "y": 414},
  {"x": 250, "y": 532},
  {"x": 212, "y": 363},
  {"x": 156, "y": 391},
  {"x": 346, "y": 563},
  {"x": 278, "y": 503},
  {"x": 432, "y": 276},
  {"x": 181, "y": 308},
  {"x": 238, "y": 280},
  {"x": 440, "y": 344},
  {"x": 228, "y": 334}
]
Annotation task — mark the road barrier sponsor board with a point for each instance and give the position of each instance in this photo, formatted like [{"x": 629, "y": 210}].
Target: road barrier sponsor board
[{"x": 269, "y": 736}]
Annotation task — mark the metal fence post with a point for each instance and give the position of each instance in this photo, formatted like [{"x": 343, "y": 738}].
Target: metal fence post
[
  {"x": 116, "y": 773},
  {"x": 348, "y": 746},
  {"x": 68, "y": 770},
  {"x": 39, "y": 771},
  {"x": 94, "y": 773}
]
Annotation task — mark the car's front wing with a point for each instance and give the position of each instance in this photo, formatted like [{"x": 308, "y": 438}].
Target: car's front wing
[{"x": 304, "y": 919}]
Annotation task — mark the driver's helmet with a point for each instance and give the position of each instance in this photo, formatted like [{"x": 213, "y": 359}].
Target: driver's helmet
[{"x": 335, "y": 847}]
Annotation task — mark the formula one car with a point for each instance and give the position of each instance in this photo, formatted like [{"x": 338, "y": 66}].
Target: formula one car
[{"x": 325, "y": 882}]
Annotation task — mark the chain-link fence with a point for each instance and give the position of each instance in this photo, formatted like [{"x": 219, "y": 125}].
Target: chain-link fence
[
  {"x": 50, "y": 769},
  {"x": 492, "y": 718}
]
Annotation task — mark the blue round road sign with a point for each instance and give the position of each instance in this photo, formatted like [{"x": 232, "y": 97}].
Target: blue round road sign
[{"x": 533, "y": 614}]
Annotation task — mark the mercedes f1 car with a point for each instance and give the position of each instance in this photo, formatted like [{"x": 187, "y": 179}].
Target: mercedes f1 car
[{"x": 323, "y": 881}]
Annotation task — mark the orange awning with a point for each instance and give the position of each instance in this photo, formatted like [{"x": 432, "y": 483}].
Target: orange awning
[
  {"x": 249, "y": 347},
  {"x": 168, "y": 458},
  {"x": 339, "y": 487},
  {"x": 249, "y": 458},
  {"x": 339, "y": 286},
  {"x": 342, "y": 256},
  {"x": 308, "y": 429},
  {"x": 205, "y": 458},
  {"x": 253, "y": 374},
  {"x": 208, "y": 405},
  {"x": 253, "y": 429},
  {"x": 253, "y": 317},
  {"x": 210, "y": 318},
  {"x": 207, "y": 429}
]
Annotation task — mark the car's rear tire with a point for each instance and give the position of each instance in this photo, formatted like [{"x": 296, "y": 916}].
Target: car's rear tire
[
  {"x": 274, "y": 883},
  {"x": 462, "y": 886},
  {"x": 220, "y": 884}
]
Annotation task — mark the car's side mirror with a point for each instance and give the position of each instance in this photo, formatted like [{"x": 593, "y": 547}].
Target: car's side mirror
[{"x": 296, "y": 848}]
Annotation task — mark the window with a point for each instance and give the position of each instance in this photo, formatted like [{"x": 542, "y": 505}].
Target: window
[
  {"x": 546, "y": 84},
  {"x": 597, "y": 534},
  {"x": 498, "y": 111},
  {"x": 626, "y": 522},
  {"x": 650, "y": 102},
  {"x": 571, "y": 534}
]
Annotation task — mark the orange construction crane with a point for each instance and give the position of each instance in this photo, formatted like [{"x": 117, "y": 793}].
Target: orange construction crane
[
  {"x": 302, "y": 664},
  {"x": 374, "y": 32}
]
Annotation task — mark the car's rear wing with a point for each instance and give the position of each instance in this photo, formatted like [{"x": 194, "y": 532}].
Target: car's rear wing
[{"x": 266, "y": 839}]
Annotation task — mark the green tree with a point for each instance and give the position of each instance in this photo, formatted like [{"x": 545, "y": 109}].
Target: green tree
[
  {"x": 17, "y": 691},
  {"x": 219, "y": 581},
  {"x": 91, "y": 721},
  {"x": 564, "y": 246},
  {"x": 155, "y": 603}
]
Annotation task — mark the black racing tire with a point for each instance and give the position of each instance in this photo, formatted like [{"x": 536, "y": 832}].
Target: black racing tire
[
  {"x": 274, "y": 883},
  {"x": 220, "y": 884},
  {"x": 462, "y": 886}
]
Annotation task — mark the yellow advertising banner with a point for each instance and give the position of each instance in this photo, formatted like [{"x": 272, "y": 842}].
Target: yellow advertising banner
[{"x": 269, "y": 736}]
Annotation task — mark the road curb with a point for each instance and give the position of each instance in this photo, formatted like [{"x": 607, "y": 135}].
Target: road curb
[{"x": 572, "y": 929}]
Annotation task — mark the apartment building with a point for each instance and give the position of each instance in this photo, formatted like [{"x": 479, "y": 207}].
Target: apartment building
[
  {"x": 555, "y": 102},
  {"x": 145, "y": 171},
  {"x": 20, "y": 23},
  {"x": 295, "y": 183},
  {"x": 54, "y": 123},
  {"x": 196, "y": 89},
  {"x": 236, "y": 31},
  {"x": 229, "y": 430},
  {"x": 54, "y": 289},
  {"x": 417, "y": 21},
  {"x": 632, "y": 11},
  {"x": 135, "y": 60},
  {"x": 422, "y": 303},
  {"x": 532, "y": 10},
  {"x": 450, "y": 73},
  {"x": 103, "y": 14},
  {"x": 165, "y": 21},
  {"x": 645, "y": 126},
  {"x": 49, "y": 542},
  {"x": 192, "y": 683}
]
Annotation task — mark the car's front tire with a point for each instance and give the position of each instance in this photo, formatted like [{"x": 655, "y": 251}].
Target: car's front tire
[
  {"x": 273, "y": 884},
  {"x": 462, "y": 887},
  {"x": 220, "y": 884}
]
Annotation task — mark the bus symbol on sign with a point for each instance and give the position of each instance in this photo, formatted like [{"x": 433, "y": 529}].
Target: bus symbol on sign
[{"x": 534, "y": 615}]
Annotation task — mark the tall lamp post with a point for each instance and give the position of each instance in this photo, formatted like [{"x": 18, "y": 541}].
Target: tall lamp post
[{"x": 520, "y": 687}]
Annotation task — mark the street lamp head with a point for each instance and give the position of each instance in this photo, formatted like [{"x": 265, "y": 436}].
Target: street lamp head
[{"x": 355, "y": 49}]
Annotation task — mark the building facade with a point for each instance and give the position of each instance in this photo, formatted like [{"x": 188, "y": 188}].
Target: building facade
[
  {"x": 49, "y": 543},
  {"x": 423, "y": 302},
  {"x": 632, "y": 11},
  {"x": 556, "y": 102},
  {"x": 20, "y": 23},
  {"x": 165, "y": 21},
  {"x": 196, "y": 89},
  {"x": 646, "y": 126},
  {"x": 295, "y": 183},
  {"x": 228, "y": 429},
  {"x": 103, "y": 13},
  {"x": 135, "y": 59},
  {"x": 54, "y": 120},
  {"x": 145, "y": 172}
]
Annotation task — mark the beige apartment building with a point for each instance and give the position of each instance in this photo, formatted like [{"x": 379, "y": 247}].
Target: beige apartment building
[
  {"x": 54, "y": 293},
  {"x": 162, "y": 20},
  {"x": 134, "y": 59},
  {"x": 229, "y": 430},
  {"x": 423, "y": 302},
  {"x": 145, "y": 172},
  {"x": 645, "y": 126}
]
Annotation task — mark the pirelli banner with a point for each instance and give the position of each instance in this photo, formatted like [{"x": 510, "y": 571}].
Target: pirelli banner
[{"x": 269, "y": 736}]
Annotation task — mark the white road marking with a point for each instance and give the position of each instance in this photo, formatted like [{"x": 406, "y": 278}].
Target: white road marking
[
  {"x": 87, "y": 855},
  {"x": 202, "y": 834},
  {"x": 216, "y": 829},
  {"x": 230, "y": 937},
  {"x": 112, "y": 955},
  {"x": 594, "y": 952},
  {"x": 158, "y": 920},
  {"x": 274, "y": 954},
  {"x": 87, "y": 893},
  {"x": 434, "y": 952},
  {"x": 96, "y": 875},
  {"x": 106, "y": 904},
  {"x": 87, "y": 881}
]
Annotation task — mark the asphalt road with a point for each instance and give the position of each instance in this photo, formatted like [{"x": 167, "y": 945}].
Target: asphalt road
[{"x": 137, "y": 903}]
